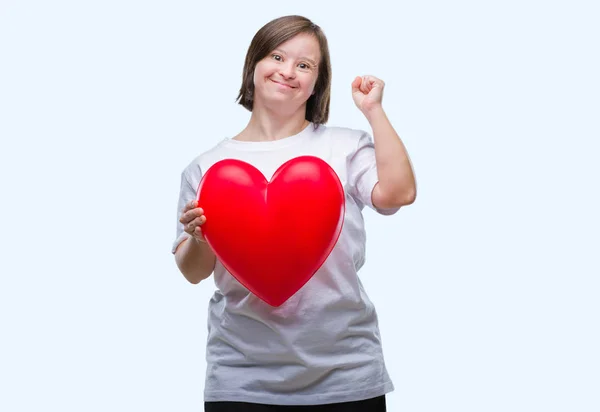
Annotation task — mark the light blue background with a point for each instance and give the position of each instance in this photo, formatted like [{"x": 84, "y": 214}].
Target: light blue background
[{"x": 487, "y": 287}]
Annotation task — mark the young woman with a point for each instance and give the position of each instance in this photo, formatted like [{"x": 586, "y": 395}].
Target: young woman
[{"x": 321, "y": 349}]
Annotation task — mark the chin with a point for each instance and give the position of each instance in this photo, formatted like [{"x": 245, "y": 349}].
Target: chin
[
  {"x": 281, "y": 101},
  {"x": 281, "y": 106}
]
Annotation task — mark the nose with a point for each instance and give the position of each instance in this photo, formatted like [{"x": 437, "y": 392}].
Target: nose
[{"x": 287, "y": 71}]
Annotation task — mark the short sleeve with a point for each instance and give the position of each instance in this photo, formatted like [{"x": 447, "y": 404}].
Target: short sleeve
[
  {"x": 187, "y": 192},
  {"x": 362, "y": 173}
]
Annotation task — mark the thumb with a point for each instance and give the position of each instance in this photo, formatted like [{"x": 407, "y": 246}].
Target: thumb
[{"x": 356, "y": 84}]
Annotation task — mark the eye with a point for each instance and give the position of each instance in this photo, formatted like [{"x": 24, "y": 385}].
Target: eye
[
  {"x": 304, "y": 66},
  {"x": 276, "y": 57}
]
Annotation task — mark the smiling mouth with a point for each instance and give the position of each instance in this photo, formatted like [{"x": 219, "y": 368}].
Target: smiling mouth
[{"x": 282, "y": 84}]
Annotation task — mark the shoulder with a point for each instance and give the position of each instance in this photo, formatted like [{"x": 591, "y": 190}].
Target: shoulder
[
  {"x": 344, "y": 137},
  {"x": 193, "y": 171}
]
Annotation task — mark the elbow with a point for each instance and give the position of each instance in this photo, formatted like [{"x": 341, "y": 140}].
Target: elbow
[
  {"x": 403, "y": 198},
  {"x": 410, "y": 196},
  {"x": 191, "y": 272},
  {"x": 193, "y": 281},
  {"x": 392, "y": 199},
  {"x": 194, "y": 276},
  {"x": 407, "y": 194}
]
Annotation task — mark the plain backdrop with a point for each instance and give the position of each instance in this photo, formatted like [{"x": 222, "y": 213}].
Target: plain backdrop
[{"x": 487, "y": 287}]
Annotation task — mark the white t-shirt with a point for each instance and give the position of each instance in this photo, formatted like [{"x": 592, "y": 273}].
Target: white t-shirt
[{"x": 323, "y": 344}]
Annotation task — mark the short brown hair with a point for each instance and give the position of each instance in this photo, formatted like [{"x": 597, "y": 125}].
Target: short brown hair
[{"x": 266, "y": 40}]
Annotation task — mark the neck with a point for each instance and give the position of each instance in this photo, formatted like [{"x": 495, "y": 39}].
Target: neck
[{"x": 266, "y": 125}]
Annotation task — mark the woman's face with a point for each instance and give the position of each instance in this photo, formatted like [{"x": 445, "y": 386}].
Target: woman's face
[{"x": 288, "y": 74}]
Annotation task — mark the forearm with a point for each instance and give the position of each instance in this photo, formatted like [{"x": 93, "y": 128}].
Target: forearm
[
  {"x": 195, "y": 260},
  {"x": 397, "y": 186}
]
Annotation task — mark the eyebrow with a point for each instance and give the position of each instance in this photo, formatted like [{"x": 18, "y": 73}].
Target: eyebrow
[{"x": 304, "y": 58}]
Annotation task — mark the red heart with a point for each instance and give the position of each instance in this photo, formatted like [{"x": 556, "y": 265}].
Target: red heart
[{"x": 272, "y": 236}]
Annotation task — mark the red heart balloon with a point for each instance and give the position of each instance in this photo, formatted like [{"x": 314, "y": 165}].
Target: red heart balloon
[{"x": 272, "y": 236}]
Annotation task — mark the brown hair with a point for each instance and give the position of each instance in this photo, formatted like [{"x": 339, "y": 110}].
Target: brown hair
[{"x": 266, "y": 40}]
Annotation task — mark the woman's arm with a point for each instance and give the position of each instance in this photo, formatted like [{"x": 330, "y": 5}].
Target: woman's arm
[
  {"x": 397, "y": 185},
  {"x": 195, "y": 259}
]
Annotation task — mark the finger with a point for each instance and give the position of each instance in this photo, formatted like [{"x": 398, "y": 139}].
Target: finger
[
  {"x": 365, "y": 86},
  {"x": 188, "y": 206},
  {"x": 192, "y": 204},
  {"x": 199, "y": 221},
  {"x": 190, "y": 215},
  {"x": 375, "y": 82},
  {"x": 194, "y": 224},
  {"x": 189, "y": 228},
  {"x": 356, "y": 84}
]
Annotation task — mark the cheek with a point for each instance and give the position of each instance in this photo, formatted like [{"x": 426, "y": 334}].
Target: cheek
[
  {"x": 257, "y": 75},
  {"x": 262, "y": 71},
  {"x": 258, "y": 71},
  {"x": 311, "y": 83}
]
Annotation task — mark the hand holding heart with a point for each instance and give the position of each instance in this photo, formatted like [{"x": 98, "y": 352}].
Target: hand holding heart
[
  {"x": 192, "y": 217},
  {"x": 367, "y": 93}
]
